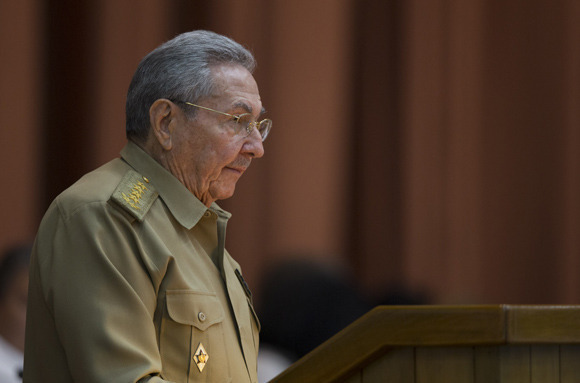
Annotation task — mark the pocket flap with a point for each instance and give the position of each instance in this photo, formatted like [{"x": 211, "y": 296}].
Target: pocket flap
[{"x": 193, "y": 308}]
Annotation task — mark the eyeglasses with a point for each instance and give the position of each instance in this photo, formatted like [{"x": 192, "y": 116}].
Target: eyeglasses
[{"x": 244, "y": 120}]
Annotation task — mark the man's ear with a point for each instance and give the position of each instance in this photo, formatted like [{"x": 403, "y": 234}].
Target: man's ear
[{"x": 162, "y": 116}]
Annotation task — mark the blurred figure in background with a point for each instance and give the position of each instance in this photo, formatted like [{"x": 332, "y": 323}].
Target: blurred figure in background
[
  {"x": 303, "y": 303},
  {"x": 13, "y": 297}
]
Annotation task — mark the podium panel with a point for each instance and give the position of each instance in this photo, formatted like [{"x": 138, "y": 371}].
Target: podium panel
[{"x": 448, "y": 344}]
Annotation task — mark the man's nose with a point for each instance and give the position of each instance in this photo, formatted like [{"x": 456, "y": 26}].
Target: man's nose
[{"x": 254, "y": 145}]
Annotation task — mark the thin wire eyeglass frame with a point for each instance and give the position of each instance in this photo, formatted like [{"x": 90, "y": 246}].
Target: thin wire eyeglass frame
[{"x": 265, "y": 123}]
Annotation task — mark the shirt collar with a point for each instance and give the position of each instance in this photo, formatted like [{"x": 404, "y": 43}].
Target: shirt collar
[{"x": 184, "y": 206}]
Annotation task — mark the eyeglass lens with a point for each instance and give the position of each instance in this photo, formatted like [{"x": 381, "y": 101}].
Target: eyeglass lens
[{"x": 246, "y": 123}]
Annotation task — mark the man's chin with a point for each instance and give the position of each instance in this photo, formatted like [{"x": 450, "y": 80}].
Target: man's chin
[{"x": 221, "y": 193}]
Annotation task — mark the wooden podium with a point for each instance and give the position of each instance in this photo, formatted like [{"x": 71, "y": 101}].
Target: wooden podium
[{"x": 449, "y": 344}]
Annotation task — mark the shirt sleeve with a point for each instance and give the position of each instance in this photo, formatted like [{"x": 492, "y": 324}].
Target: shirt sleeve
[{"x": 99, "y": 290}]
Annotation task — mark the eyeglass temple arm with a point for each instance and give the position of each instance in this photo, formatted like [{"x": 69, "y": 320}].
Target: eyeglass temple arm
[{"x": 213, "y": 110}]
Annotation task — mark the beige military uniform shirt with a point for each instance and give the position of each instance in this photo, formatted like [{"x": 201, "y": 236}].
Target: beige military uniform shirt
[{"x": 130, "y": 282}]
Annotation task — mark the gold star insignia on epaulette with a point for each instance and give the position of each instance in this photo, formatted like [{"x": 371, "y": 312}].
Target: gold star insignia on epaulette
[{"x": 134, "y": 195}]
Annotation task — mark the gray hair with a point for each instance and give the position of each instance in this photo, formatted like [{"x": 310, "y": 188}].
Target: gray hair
[{"x": 179, "y": 70}]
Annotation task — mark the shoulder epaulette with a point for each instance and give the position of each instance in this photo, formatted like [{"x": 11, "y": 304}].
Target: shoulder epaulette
[{"x": 135, "y": 194}]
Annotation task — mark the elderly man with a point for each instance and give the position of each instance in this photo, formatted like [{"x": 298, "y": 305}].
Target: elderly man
[{"x": 130, "y": 281}]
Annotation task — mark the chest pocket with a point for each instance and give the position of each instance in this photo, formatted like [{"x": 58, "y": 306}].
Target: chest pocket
[
  {"x": 201, "y": 310},
  {"x": 192, "y": 319}
]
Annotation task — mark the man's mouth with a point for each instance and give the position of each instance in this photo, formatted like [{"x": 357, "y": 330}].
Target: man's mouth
[
  {"x": 239, "y": 170},
  {"x": 239, "y": 166}
]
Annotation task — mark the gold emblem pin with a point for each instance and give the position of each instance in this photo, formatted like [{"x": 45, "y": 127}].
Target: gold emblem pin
[{"x": 200, "y": 357}]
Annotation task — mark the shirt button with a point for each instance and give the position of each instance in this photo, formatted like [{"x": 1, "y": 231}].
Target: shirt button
[
  {"x": 201, "y": 316},
  {"x": 207, "y": 214}
]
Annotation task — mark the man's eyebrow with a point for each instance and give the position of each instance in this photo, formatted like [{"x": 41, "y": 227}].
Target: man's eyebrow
[
  {"x": 247, "y": 107},
  {"x": 243, "y": 105}
]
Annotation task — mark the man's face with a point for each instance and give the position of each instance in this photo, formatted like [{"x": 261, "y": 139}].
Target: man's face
[{"x": 210, "y": 153}]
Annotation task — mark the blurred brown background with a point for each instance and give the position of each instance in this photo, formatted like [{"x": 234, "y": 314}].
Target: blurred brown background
[{"x": 430, "y": 144}]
